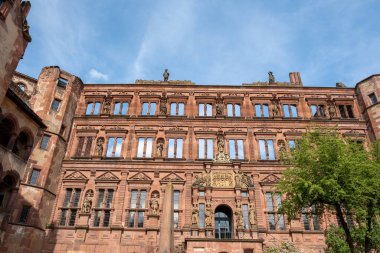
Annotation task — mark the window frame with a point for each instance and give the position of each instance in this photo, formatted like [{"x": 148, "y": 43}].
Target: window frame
[{"x": 137, "y": 209}]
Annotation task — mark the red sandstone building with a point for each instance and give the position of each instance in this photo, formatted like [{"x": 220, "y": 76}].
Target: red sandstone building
[{"x": 97, "y": 160}]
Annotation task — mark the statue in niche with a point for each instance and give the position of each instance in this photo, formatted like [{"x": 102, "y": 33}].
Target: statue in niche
[
  {"x": 163, "y": 108},
  {"x": 331, "y": 109},
  {"x": 194, "y": 216},
  {"x": 271, "y": 78},
  {"x": 220, "y": 142},
  {"x": 87, "y": 202},
  {"x": 281, "y": 146},
  {"x": 208, "y": 214},
  {"x": 154, "y": 203},
  {"x": 238, "y": 177},
  {"x": 107, "y": 106},
  {"x": 166, "y": 75},
  {"x": 252, "y": 215},
  {"x": 275, "y": 108},
  {"x": 246, "y": 180},
  {"x": 99, "y": 147},
  {"x": 219, "y": 106},
  {"x": 160, "y": 148},
  {"x": 239, "y": 215}
]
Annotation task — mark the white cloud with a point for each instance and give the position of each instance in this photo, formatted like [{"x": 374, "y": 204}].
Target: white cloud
[{"x": 95, "y": 75}]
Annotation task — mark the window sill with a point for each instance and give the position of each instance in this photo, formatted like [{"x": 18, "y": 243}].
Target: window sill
[
  {"x": 143, "y": 158},
  {"x": 174, "y": 159},
  {"x": 267, "y": 160}
]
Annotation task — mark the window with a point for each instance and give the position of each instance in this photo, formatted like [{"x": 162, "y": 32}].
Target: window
[
  {"x": 205, "y": 110},
  {"x": 318, "y": 111},
  {"x": 244, "y": 194},
  {"x": 261, "y": 110},
  {"x": 292, "y": 144},
  {"x": 236, "y": 148},
  {"x": 120, "y": 108},
  {"x": 248, "y": 250},
  {"x": 33, "y": 179},
  {"x": 205, "y": 148},
  {"x": 93, "y": 108},
  {"x": 144, "y": 148},
  {"x": 201, "y": 215},
  {"x": 114, "y": 147},
  {"x": 70, "y": 207},
  {"x": 346, "y": 111},
  {"x": 201, "y": 193},
  {"x": 20, "y": 85},
  {"x": 175, "y": 148},
  {"x": 373, "y": 98},
  {"x": 55, "y": 105},
  {"x": 45, "y": 142},
  {"x": 266, "y": 150},
  {"x": 102, "y": 207},
  {"x": 137, "y": 209},
  {"x": 24, "y": 214},
  {"x": 276, "y": 221},
  {"x": 149, "y": 109},
  {"x": 84, "y": 146},
  {"x": 62, "y": 83},
  {"x": 177, "y": 109},
  {"x": 176, "y": 195},
  {"x": 310, "y": 218},
  {"x": 233, "y": 110},
  {"x": 290, "y": 111},
  {"x": 245, "y": 216}
]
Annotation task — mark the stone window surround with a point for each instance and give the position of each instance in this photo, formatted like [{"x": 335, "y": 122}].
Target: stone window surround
[
  {"x": 145, "y": 134},
  {"x": 264, "y": 190},
  {"x": 266, "y": 136},
  {"x": 176, "y": 135},
  {"x": 139, "y": 188},
  {"x": 108, "y": 186},
  {"x": 176, "y": 99},
  {"x": 94, "y": 100},
  {"x": 262, "y": 100},
  {"x": 72, "y": 185}
]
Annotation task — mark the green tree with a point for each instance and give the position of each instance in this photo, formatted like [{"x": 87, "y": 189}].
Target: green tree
[
  {"x": 285, "y": 247},
  {"x": 336, "y": 174}
]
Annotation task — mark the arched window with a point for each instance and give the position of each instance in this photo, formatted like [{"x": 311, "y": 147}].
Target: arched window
[
  {"x": 6, "y": 129},
  {"x": 23, "y": 145},
  {"x": 223, "y": 222},
  {"x": 6, "y": 185}
]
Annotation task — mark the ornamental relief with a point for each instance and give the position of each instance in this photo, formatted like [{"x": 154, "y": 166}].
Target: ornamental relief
[{"x": 223, "y": 179}]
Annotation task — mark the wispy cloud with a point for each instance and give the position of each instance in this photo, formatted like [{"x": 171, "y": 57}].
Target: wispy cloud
[{"x": 96, "y": 76}]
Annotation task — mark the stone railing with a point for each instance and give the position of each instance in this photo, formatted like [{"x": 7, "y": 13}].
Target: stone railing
[{"x": 11, "y": 162}]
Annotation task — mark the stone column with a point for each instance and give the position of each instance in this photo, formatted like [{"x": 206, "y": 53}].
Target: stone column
[{"x": 166, "y": 244}]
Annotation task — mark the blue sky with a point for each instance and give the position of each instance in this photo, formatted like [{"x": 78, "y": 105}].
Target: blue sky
[{"x": 206, "y": 41}]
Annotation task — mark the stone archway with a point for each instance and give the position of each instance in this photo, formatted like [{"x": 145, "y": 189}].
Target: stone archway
[{"x": 223, "y": 222}]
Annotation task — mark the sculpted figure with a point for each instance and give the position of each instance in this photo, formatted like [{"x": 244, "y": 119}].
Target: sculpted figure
[
  {"x": 107, "y": 107},
  {"x": 252, "y": 216},
  {"x": 166, "y": 75},
  {"x": 154, "y": 204},
  {"x": 332, "y": 110},
  {"x": 99, "y": 147},
  {"x": 208, "y": 216},
  {"x": 239, "y": 217},
  {"x": 194, "y": 216},
  {"x": 87, "y": 203},
  {"x": 271, "y": 78},
  {"x": 281, "y": 145},
  {"x": 220, "y": 142},
  {"x": 163, "y": 108},
  {"x": 160, "y": 148},
  {"x": 238, "y": 178},
  {"x": 275, "y": 108}
]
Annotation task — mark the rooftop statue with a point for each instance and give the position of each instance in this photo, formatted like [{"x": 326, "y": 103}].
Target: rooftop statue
[
  {"x": 166, "y": 75},
  {"x": 271, "y": 78}
]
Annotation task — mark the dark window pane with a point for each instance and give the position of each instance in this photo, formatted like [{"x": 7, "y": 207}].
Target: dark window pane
[
  {"x": 67, "y": 199},
  {"x": 350, "y": 111},
  {"x": 73, "y": 215},
  {"x": 271, "y": 222},
  {"x": 109, "y": 199},
  {"x": 99, "y": 203},
  {"x": 76, "y": 197},
  {"x": 62, "y": 220},
  {"x": 24, "y": 214},
  {"x": 305, "y": 220},
  {"x": 342, "y": 111},
  {"x": 373, "y": 98},
  {"x": 106, "y": 219},
  {"x": 55, "y": 105},
  {"x": 140, "y": 219},
  {"x": 45, "y": 142},
  {"x": 97, "y": 219},
  {"x": 34, "y": 176},
  {"x": 62, "y": 82},
  {"x": 131, "y": 221}
]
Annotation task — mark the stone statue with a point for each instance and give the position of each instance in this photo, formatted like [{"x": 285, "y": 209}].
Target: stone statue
[
  {"x": 99, "y": 147},
  {"x": 281, "y": 146},
  {"x": 208, "y": 215},
  {"x": 331, "y": 109},
  {"x": 239, "y": 217},
  {"x": 219, "y": 106},
  {"x": 87, "y": 202},
  {"x": 154, "y": 204},
  {"x": 252, "y": 215},
  {"x": 238, "y": 177},
  {"x": 166, "y": 75},
  {"x": 160, "y": 148},
  {"x": 220, "y": 142},
  {"x": 194, "y": 216},
  {"x": 340, "y": 85},
  {"x": 246, "y": 180},
  {"x": 107, "y": 107},
  {"x": 275, "y": 108},
  {"x": 163, "y": 108},
  {"x": 271, "y": 78}
]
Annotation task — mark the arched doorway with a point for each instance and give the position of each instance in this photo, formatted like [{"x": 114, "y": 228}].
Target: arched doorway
[{"x": 223, "y": 222}]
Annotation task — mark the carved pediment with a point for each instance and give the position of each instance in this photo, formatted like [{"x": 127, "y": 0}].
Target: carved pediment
[
  {"x": 140, "y": 176},
  {"x": 77, "y": 175},
  {"x": 173, "y": 177},
  {"x": 109, "y": 176},
  {"x": 270, "y": 180}
]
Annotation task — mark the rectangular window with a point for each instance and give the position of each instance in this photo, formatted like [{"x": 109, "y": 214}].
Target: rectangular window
[
  {"x": 76, "y": 197},
  {"x": 310, "y": 218},
  {"x": 142, "y": 199},
  {"x": 236, "y": 148},
  {"x": 176, "y": 196},
  {"x": 290, "y": 110},
  {"x": 373, "y": 98},
  {"x": 292, "y": 144},
  {"x": 24, "y": 214},
  {"x": 144, "y": 147},
  {"x": 233, "y": 110},
  {"x": 66, "y": 201},
  {"x": 73, "y": 216},
  {"x": 45, "y": 142},
  {"x": 175, "y": 148},
  {"x": 97, "y": 219},
  {"x": 109, "y": 198},
  {"x": 106, "y": 219},
  {"x": 62, "y": 219},
  {"x": 201, "y": 215},
  {"x": 318, "y": 111},
  {"x": 62, "y": 82},
  {"x": 97, "y": 108},
  {"x": 55, "y": 105},
  {"x": 84, "y": 146},
  {"x": 261, "y": 110},
  {"x": 276, "y": 220},
  {"x": 33, "y": 179},
  {"x": 244, "y": 194},
  {"x": 245, "y": 216},
  {"x": 177, "y": 109},
  {"x": 103, "y": 202},
  {"x": 93, "y": 108},
  {"x": 205, "y": 110},
  {"x": 100, "y": 198},
  {"x": 266, "y": 150},
  {"x": 136, "y": 209},
  {"x": 133, "y": 199},
  {"x": 140, "y": 221},
  {"x": 205, "y": 148},
  {"x": 120, "y": 108},
  {"x": 149, "y": 109},
  {"x": 346, "y": 111},
  {"x": 114, "y": 147}
]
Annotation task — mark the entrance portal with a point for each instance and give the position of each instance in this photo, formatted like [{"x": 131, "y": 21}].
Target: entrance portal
[{"x": 223, "y": 222}]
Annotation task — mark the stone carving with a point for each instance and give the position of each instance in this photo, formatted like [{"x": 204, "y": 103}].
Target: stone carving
[
  {"x": 275, "y": 108},
  {"x": 242, "y": 180},
  {"x": 99, "y": 147},
  {"x": 172, "y": 177},
  {"x": 270, "y": 179},
  {"x": 107, "y": 106},
  {"x": 163, "y": 108},
  {"x": 239, "y": 215},
  {"x": 160, "y": 147},
  {"x": 222, "y": 179},
  {"x": 221, "y": 156},
  {"x": 194, "y": 216},
  {"x": 108, "y": 176},
  {"x": 271, "y": 78},
  {"x": 154, "y": 203},
  {"x": 202, "y": 180},
  {"x": 219, "y": 106},
  {"x": 76, "y": 175},
  {"x": 208, "y": 214},
  {"x": 166, "y": 75},
  {"x": 87, "y": 202},
  {"x": 340, "y": 85},
  {"x": 331, "y": 108},
  {"x": 281, "y": 146},
  {"x": 252, "y": 215},
  {"x": 139, "y": 176}
]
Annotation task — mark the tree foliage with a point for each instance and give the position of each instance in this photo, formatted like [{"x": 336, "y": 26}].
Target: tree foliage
[
  {"x": 338, "y": 174},
  {"x": 285, "y": 247}
]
